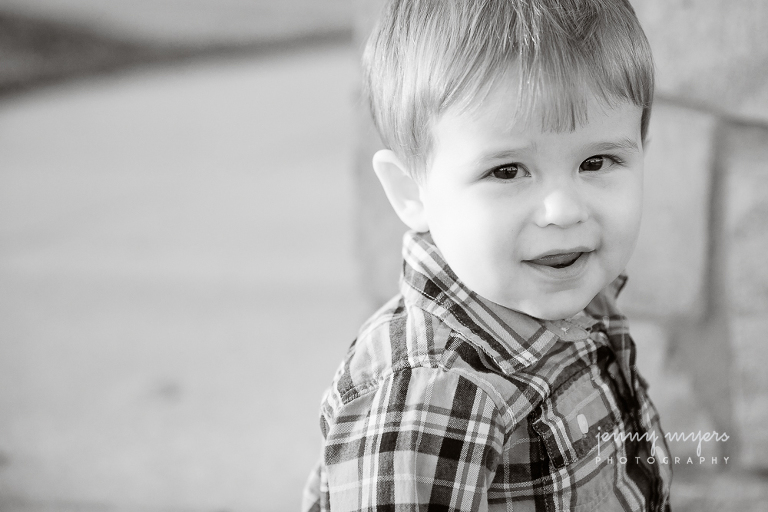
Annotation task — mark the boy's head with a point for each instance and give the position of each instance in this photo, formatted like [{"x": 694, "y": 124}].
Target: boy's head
[{"x": 515, "y": 131}]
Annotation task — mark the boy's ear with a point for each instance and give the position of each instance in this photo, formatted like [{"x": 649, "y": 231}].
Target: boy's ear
[{"x": 401, "y": 189}]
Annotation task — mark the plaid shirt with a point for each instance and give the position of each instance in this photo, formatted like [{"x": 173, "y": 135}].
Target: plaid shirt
[{"x": 441, "y": 405}]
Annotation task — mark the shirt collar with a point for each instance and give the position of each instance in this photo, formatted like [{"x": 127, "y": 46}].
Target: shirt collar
[{"x": 514, "y": 342}]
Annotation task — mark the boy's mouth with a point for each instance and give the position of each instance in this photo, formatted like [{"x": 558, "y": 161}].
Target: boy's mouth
[{"x": 560, "y": 260}]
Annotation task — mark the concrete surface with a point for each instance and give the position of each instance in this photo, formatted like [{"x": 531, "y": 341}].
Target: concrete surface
[
  {"x": 193, "y": 22},
  {"x": 176, "y": 283}
]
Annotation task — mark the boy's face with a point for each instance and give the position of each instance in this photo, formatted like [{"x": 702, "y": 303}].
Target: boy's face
[{"x": 535, "y": 220}]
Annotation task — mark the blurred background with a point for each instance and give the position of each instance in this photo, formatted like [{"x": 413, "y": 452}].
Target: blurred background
[{"x": 190, "y": 236}]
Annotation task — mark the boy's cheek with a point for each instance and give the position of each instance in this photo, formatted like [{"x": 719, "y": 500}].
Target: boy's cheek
[
  {"x": 623, "y": 237},
  {"x": 621, "y": 206}
]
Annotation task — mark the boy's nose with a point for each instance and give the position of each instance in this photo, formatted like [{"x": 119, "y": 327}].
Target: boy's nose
[{"x": 562, "y": 208}]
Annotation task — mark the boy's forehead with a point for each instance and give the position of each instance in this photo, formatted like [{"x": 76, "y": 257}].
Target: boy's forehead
[{"x": 509, "y": 107}]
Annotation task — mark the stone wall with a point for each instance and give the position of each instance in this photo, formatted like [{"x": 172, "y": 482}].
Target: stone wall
[
  {"x": 698, "y": 277},
  {"x": 698, "y": 290}
]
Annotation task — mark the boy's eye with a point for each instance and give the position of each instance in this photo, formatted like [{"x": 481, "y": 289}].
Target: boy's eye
[
  {"x": 594, "y": 163},
  {"x": 507, "y": 172}
]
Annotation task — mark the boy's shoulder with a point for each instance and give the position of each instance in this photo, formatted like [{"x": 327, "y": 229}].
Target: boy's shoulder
[{"x": 395, "y": 338}]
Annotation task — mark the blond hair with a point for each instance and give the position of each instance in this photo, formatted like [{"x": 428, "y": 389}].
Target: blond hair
[{"x": 426, "y": 56}]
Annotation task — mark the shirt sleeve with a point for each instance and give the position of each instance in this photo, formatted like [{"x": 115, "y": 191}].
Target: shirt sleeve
[
  {"x": 422, "y": 436},
  {"x": 315, "y": 491}
]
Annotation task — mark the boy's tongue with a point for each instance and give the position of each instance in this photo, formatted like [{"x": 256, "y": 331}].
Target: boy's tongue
[{"x": 557, "y": 260}]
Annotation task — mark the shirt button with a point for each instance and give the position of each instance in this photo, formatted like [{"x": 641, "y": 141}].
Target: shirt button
[{"x": 583, "y": 423}]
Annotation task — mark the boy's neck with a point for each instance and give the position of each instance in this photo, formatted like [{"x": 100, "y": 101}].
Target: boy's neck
[{"x": 511, "y": 317}]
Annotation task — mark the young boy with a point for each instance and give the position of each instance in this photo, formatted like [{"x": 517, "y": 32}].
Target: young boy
[{"x": 502, "y": 377}]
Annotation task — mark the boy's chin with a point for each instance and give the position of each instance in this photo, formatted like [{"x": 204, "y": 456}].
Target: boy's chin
[
  {"x": 558, "y": 309},
  {"x": 553, "y": 314}
]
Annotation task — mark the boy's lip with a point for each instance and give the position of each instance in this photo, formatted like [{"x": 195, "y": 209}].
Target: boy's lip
[
  {"x": 562, "y": 266},
  {"x": 557, "y": 255}
]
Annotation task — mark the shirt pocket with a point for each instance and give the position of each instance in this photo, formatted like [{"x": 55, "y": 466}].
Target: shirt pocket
[{"x": 570, "y": 420}]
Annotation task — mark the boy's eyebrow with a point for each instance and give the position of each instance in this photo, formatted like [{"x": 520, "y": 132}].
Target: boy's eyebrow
[
  {"x": 625, "y": 144},
  {"x": 506, "y": 154}
]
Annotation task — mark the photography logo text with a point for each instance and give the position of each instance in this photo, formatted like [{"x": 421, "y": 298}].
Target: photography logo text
[{"x": 658, "y": 455}]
